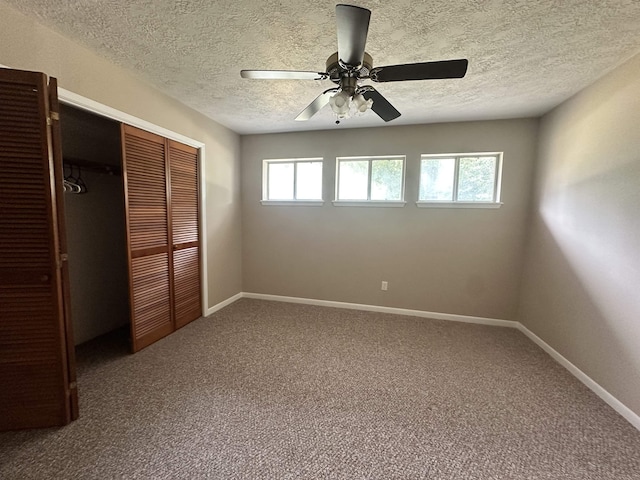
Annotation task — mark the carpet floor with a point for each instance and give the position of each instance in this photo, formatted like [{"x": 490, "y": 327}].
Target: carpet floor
[{"x": 268, "y": 390}]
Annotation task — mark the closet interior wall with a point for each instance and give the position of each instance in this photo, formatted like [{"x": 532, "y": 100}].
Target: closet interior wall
[{"x": 95, "y": 224}]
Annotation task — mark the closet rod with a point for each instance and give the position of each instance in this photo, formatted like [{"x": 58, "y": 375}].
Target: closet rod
[{"x": 93, "y": 166}]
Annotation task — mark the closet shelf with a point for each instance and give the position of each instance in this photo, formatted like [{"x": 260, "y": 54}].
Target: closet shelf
[{"x": 93, "y": 166}]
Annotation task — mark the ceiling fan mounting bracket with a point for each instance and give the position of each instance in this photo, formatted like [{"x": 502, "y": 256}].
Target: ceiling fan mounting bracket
[{"x": 336, "y": 70}]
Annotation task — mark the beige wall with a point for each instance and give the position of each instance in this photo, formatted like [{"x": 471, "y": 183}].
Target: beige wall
[
  {"x": 580, "y": 289},
  {"x": 459, "y": 261},
  {"x": 25, "y": 44}
]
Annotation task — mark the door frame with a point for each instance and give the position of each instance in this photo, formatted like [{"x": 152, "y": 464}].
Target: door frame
[{"x": 83, "y": 103}]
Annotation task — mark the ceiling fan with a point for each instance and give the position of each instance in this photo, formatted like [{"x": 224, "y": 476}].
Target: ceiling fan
[{"x": 351, "y": 64}]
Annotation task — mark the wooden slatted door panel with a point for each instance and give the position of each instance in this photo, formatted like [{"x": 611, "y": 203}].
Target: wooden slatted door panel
[
  {"x": 187, "y": 285},
  {"x": 183, "y": 163},
  {"x": 58, "y": 174},
  {"x": 34, "y": 370},
  {"x": 148, "y": 236},
  {"x": 150, "y": 274}
]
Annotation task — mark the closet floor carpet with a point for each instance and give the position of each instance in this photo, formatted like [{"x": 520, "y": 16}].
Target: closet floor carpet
[{"x": 267, "y": 390}]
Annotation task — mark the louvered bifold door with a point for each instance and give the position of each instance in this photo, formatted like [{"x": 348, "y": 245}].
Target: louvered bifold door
[
  {"x": 148, "y": 236},
  {"x": 34, "y": 367},
  {"x": 183, "y": 162}
]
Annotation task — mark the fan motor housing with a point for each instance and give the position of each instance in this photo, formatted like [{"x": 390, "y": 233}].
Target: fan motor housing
[{"x": 336, "y": 71}]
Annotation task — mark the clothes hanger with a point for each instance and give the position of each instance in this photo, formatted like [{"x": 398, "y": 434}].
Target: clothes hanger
[
  {"x": 71, "y": 183},
  {"x": 80, "y": 183}
]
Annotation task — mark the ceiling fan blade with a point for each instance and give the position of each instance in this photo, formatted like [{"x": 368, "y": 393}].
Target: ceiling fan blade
[
  {"x": 315, "y": 106},
  {"x": 353, "y": 25},
  {"x": 282, "y": 75},
  {"x": 420, "y": 71},
  {"x": 381, "y": 105}
]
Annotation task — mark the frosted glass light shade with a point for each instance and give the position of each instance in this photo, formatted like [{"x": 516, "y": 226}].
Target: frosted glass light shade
[
  {"x": 340, "y": 104},
  {"x": 360, "y": 104}
]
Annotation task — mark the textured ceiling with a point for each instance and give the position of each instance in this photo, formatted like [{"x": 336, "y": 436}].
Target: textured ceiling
[{"x": 525, "y": 56}]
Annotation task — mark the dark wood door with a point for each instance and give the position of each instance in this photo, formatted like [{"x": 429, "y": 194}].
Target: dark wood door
[
  {"x": 37, "y": 370},
  {"x": 148, "y": 236},
  {"x": 183, "y": 163}
]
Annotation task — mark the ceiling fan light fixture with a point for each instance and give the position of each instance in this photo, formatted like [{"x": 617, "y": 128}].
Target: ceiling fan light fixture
[
  {"x": 351, "y": 64},
  {"x": 360, "y": 104},
  {"x": 340, "y": 104}
]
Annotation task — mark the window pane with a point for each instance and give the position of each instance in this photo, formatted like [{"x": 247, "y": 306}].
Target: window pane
[
  {"x": 353, "y": 177},
  {"x": 386, "y": 179},
  {"x": 280, "y": 181},
  {"x": 309, "y": 181},
  {"x": 476, "y": 179},
  {"x": 436, "y": 179}
]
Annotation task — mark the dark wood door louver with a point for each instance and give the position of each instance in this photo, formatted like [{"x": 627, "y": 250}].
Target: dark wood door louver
[{"x": 37, "y": 368}]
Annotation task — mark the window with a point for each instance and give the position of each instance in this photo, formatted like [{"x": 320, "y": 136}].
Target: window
[
  {"x": 469, "y": 179},
  {"x": 367, "y": 180},
  {"x": 295, "y": 180}
]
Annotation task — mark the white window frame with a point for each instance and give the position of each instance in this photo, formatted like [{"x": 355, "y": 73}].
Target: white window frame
[
  {"x": 454, "y": 203},
  {"x": 370, "y": 203},
  {"x": 265, "y": 182}
]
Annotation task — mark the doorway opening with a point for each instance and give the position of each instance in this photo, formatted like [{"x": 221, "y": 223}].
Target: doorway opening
[{"x": 96, "y": 235}]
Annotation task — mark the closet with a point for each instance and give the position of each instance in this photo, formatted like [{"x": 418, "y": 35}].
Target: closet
[
  {"x": 95, "y": 223},
  {"x": 161, "y": 192},
  {"x": 101, "y": 224}
]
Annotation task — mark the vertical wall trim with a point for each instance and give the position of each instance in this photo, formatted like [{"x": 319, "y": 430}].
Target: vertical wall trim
[{"x": 202, "y": 192}]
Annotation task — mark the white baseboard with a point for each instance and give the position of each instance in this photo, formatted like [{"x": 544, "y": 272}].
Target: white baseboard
[
  {"x": 223, "y": 304},
  {"x": 612, "y": 401},
  {"x": 377, "y": 308}
]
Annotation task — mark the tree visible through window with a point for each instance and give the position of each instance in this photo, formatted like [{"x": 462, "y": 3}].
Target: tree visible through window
[
  {"x": 476, "y": 179},
  {"x": 370, "y": 178},
  {"x": 460, "y": 178}
]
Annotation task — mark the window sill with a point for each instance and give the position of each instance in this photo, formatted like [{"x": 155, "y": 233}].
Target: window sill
[
  {"x": 369, "y": 203},
  {"x": 459, "y": 204},
  {"x": 296, "y": 203}
]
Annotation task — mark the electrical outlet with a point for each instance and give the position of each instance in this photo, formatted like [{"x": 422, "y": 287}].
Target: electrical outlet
[{"x": 385, "y": 286}]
